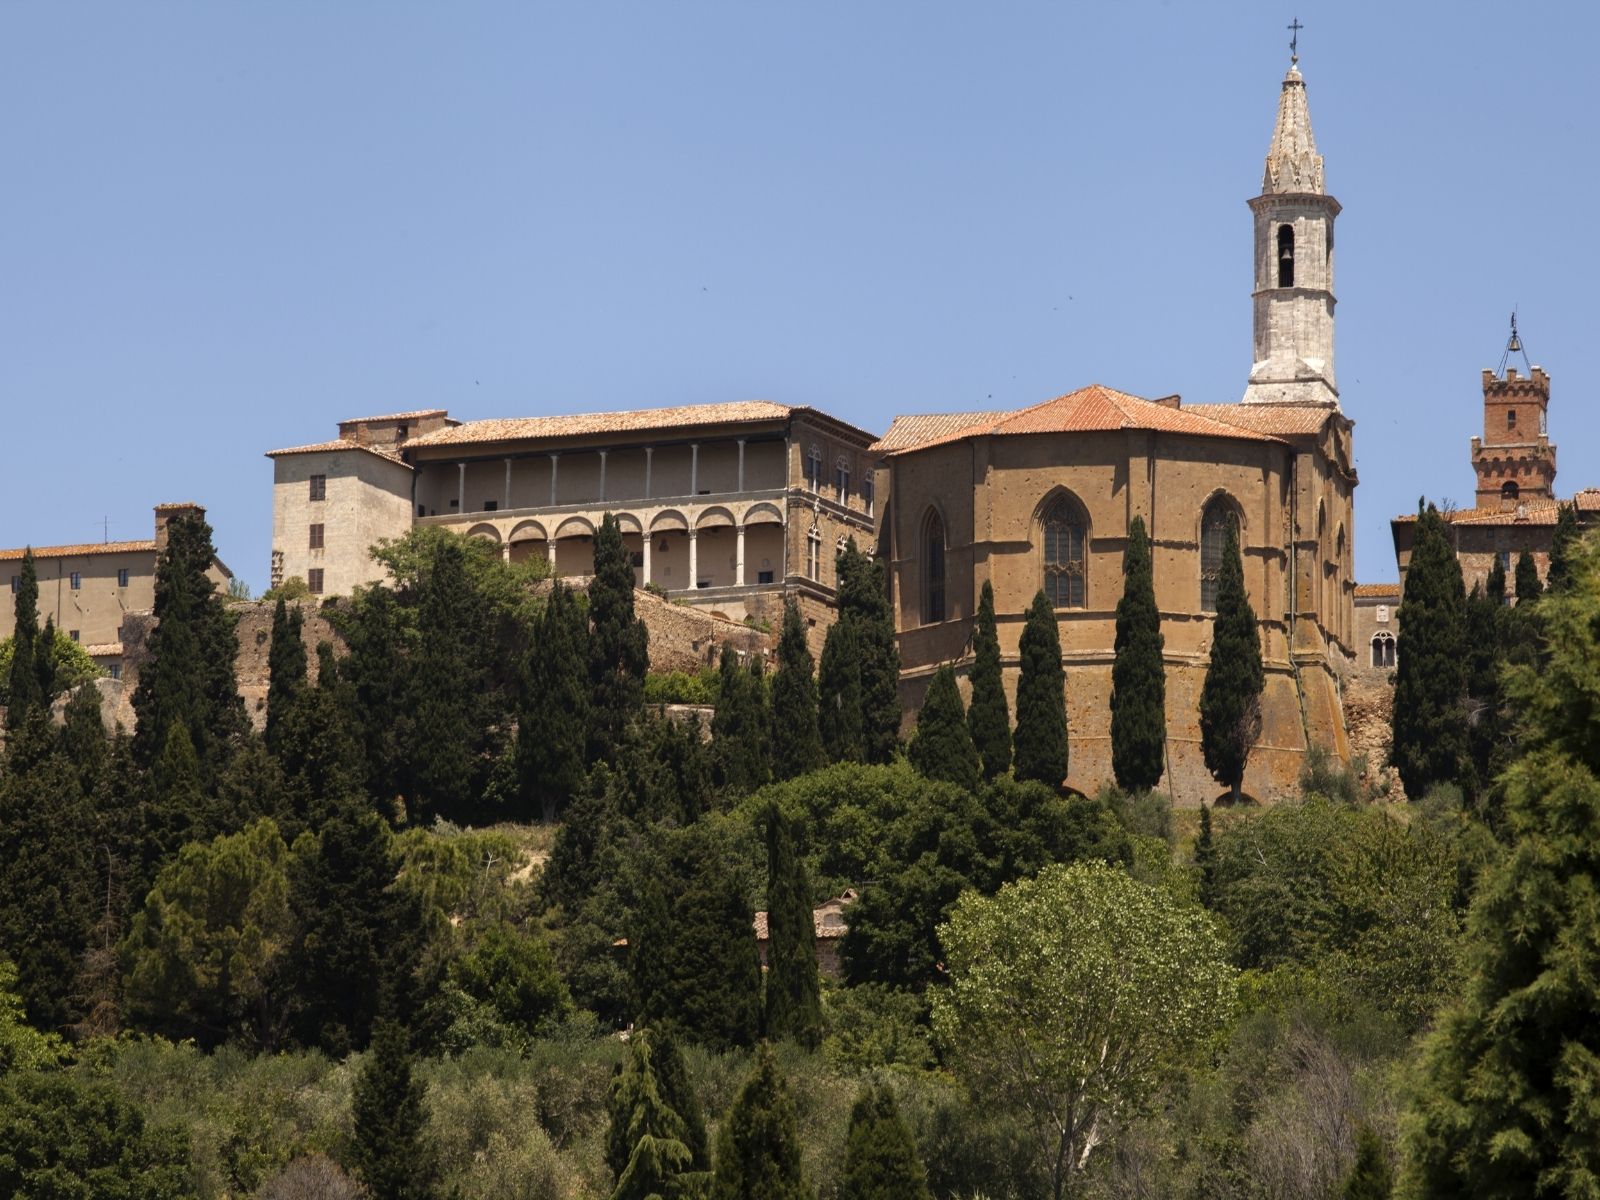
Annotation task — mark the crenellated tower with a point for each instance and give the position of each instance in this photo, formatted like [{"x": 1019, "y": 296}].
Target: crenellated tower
[
  {"x": 1515, "y": 460},
  {"x": 1293, "y": 294}
]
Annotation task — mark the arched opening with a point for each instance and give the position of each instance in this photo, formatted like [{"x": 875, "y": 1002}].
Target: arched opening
[
  {"x": 1285, "y": 256},
  {"x": 1509, "y": 491},
  {"x": 1382, "y": 650},
  {"x": 1066, "y": 560},
  {"x": 1219, "y": 517},
  {"x": 933, "y": 568}
]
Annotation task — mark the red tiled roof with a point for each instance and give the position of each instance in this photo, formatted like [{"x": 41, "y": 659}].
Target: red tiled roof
[
  {"x": 1378, "y": 590},
  {"x": 639, "y": 420},
  {"x": 104, "y": 650},
  {"x": 405, "y": 416},
  {"x": 337, "y": 445},
  {"x": 1528, "y": 512},
  {"x": 913, "y": 429},
  {"x": 1280, "y": 420},
  {"x": 1093, "y": 409},
  {"x": 80, "y": 551}
]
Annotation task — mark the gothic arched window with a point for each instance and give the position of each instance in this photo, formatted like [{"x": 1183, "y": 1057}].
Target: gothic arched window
[
  {"x": 1383, "y": 650},
  {"x": 1285, "y": 256},
  {"x": 1508, "y": 490},
  {"x": 1066, "y": 559},
  {"x": 932, "y": 568},
  {"x": 1219, "y": 516}
]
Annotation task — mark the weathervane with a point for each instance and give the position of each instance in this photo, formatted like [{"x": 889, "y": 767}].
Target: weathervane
[{"x": 1294, "y": 41}]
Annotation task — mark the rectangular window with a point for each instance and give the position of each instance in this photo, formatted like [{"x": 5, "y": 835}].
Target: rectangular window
[
  {"x": 422, "y": 510},
  {"x": 73, "y": 634},
  {"x": 319, "y": 487},
  {"x": 702, "y": 583},
  {"x": 637, "y": 559},
  {"x": 491, "y": 506},
  {"x": 116, "y": 670},
  {"x": 866, "y": 493},
  {"x": 77, "y": 580},
  {"x": 314, "y": 581},
  {"x": 16, "y": 582},
  {"x": 841, "y": 482},
  {"x": 122, "y": 576},
  {"x": 763, "y": 576},
  {"x": 316, "y": 537}
]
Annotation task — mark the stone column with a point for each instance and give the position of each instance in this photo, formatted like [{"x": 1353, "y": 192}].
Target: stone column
[
  {"x": 644, "y": 541},
  {"x": 741, "y": 475},
  {"x": 550, "y": 555},
  {"x": 555, "y": 462},
  {"x": 694, "y": 566},
  {"x": 603, "y": 476},
  {"x": 738, "y": 552},
  {"x": 507, "y": 503},
  {"x": 461, "y": 489},
  {"x": 649, "y": 462},
  {"x": 694, "y": 468}
]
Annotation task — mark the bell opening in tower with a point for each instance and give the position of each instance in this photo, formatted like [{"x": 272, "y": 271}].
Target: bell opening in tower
[{"x": 1285, "y": 256}]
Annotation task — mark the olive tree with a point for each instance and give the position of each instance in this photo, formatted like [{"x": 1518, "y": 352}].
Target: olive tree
[{"x": 1071, "y": 995}]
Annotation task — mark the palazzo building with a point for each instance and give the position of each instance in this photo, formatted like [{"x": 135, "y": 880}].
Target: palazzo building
[
  {"x": 725, "y": 506},
  {"x": 1042, "y": 498}
]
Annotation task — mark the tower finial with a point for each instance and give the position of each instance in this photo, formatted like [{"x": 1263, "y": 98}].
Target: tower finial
[
  {"x": 1294, "y": 41},
  {"x": 1514, "y": 346}
]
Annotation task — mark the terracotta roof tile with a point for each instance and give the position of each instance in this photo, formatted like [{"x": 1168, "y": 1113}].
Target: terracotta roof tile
[
  {"x": 104, "y": 650},
  {"x": 1092, "y": 409},
  {"x": 687, "y": 416},
  {"x": 1378, "y": 590},
  {"x": 337, "y": 445},
  {"x": 418, "y": 414},
  {"x": 912, "y": 429},
  {"x": 1278, "y": 419},
  {"x": 80, "y": 551}
]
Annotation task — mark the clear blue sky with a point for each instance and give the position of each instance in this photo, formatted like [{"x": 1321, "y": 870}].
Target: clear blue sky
[{"x": 228, "y": 225}]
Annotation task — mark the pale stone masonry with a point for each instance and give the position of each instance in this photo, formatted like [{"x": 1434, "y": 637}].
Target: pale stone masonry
[{"x": 728, "y": 507}]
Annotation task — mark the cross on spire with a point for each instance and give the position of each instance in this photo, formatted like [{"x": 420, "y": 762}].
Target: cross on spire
[{"x": 1294, "y": 40}]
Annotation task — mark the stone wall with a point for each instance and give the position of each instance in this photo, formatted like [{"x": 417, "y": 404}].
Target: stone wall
[
  {"x": 1368, "y": 715},
  {"x": 686, "y": 639}
]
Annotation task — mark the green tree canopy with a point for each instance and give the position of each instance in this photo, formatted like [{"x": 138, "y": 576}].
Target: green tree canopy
[
  {"x": 651, "y": 1146},
  {"x": 880, "y": 1161},
  {"x": 553, "y": 716},
  {"x": 941, "y": 747},
  {"x": 1563, "y": 546},
  {"x": 1528, "y": 586},
  {"x": 392, "y": 1152},
  {"x": 793, "y": 991},
  {"x": 1040, "y": 744},
  {"x": 863, "y": 596},
  {"x": 1230, "y": 699},
  {"x": 69, "y": 667},
  {"x": 619, "y": 644},
  {"x": 741, "y": 729},
  {"x": 1138, "y": 676},
  {"x": 286, "y": 668},
  {"x": 758, "y": 1148},
  {"x": 19, "y": 674},
  {"x": 839, "y": 712},
  {"x": 796, "y": 742},
  {"x": 988, "y": 717},
  {"x": 1430, "y": 720},
  {"x": 1073, "y": 995}
]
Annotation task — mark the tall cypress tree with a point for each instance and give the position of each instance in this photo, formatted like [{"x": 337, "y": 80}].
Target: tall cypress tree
[
  {"x": 988, "y": 718},
  {"x": 1430, "y": 726},
  {"x": 1138, "y": 677},
  {"x": 189, "y": 676},
  {"x": 1485, "y": 656},
  {"x": 318, "y": 748},
  {"x": 619, "y": 644},
  {"x": 1230, "y": 699},
  {"x": 553, "y": 718},
  {"x": 941, "y": 747},
  {"x": 374, "y": 630},
  {"x": 739, "y": 729},
  {"x": 1040, "y": 744},
  {"x": 23, "y": 686},
  {"x": 863, "y": 597},
  {"x": 794, "y": 992},
  {"x": 880, "y": 1158},
  {"x": 1563, "y": 544},
  {"x": 796, "y": 741},
  {"x": 286, "y": 668},
  {"x": 651, "y": 1147},
  {"x": 1205, "y": 858},
  {"x": 83, "y": 737},
  {"x": 839, "y": 716},
  {"x": 1494, "y": 586},
  {"x": 177, "y": 811},
  {"x": 1529, "y": 589},
  {"x": 392, "y": 1153},
  {"x": 758, "y": 1148}
]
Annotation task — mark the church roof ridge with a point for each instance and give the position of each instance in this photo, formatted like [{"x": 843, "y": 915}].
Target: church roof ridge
[
  {"x": 1293, "y": 164},
  {"x": 1090, "y": 409}
]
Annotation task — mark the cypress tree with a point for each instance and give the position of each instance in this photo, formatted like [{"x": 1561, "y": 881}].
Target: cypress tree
[
  {"x": 941, "y": 747},
  {"x": 1506, "y": 1107},
  {"x": 83, "y": 737},
  {"x": 1205, "y": 858},
  {"x": 1563, "y": 544},
  {"x": 1430, "y": 726},
  {"x": 738, "y": 729},
  {"x": 23, "y": 686},
  {"x": 1230, "y": 699},
  {"x": 553, "y": 718},
  {"x": 1485, "y": 655},
  {"x": 758, "y": 1147},
  {"x": 286, "y": 669},
  {"x": 1040, "y": 744},
  {"x": 1138, "y": 677},
  {"x": 1494, "y": 586},
  {"x": 988, "y": 718},
  {"x": 796, "y": 741},
  {"x": 880, "y": 1159},
  {"x": 794, "y": 991},
  {"x": 1529, "y": 589},
  {"x": 318, "y": 748},
  {"x": 650, "y": 1145},
  {"x": 619, "y": 645},
  {"x": 44, "y": 664},
  {"x": 863, "y": 597},
  {"x": 189, "y": 676},
  {"x": 177, "y": 812},
  {"x": 392, "y": 1153},
  {"x": 374, "y": 629},
  {"x": 1371, "y": 1178},
  {"x": 839, "y": 717}
]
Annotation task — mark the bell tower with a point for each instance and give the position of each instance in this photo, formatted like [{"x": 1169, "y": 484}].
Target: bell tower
[
  {"x": 1515, "y": 460},
  {"x": 1294, "y": 215}
]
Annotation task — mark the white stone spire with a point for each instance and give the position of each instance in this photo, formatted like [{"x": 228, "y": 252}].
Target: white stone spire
[
  {"x": 1293, "y": 164},
  {"x": 1293, "y": 296}
]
